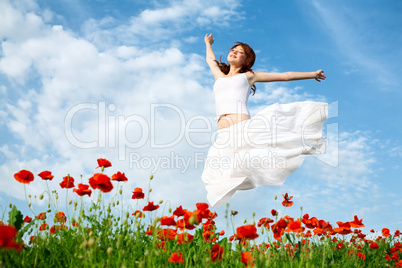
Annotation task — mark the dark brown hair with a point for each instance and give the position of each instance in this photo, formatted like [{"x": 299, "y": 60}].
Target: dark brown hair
[{"x": 250, "y": 59}]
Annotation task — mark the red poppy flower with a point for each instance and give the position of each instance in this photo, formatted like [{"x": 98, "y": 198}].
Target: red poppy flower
[
  {"x": 310, "y": 223},
  {"x": 340, "y": 245},
  {"x": 46, "y": 175},
  {"x": 209, "y": 225},
  {"x": 361, "y": 255},
  {"x": 279, "y": 228},
  {"x": 247, "y": 259},
  {"x": 287, "y": 202},
  {"x": 179, "y": 211},
  {"x": 294, "y": 226},
  {"x": 7, "y": 236},
  {"x": 103, "y": 163},
  {"x": 176, "y": 257},
  {"x": 185, "y": 238},
  {"x": 138, "y": 194},
  {"x": 265, "y": 222},
  {"x": 217, "y": 253},
  {"x": 41, "y": 216},
  {"x": 167, "y": 234},
  {"x": 397, "y": 233},
  {"x": 204, "y": 211},
  {"x": 138, "y": 214},
  {"x": 43, "y": 227},
  {"x": 385, "y": 232},
  {"x": 68, "y": 182},
  {"x": 344, "y": 228},
  {"x": 27, "y": 219},
  {"x": 246, "y": 232},
  {"x": 24, "y": 176},
  {"x": 119, "y": 177},
  {"x": 209, "y": 237},
  {"x": 150, "y": 207},
  {"x": 374, "y": 245},
  {"x": 83, "y": 189},
  {"x": 60, "y": 217},
  {"x": 185, "y": 222},
  {"x": 166, "y": 220},
  {"x": 356, "y": 223},
  {"x": 102, "y": 182},
  {"x": 274, "y": 212}
]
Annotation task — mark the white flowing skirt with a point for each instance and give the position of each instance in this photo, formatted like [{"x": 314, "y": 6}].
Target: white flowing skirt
[{"x": 263, "y": 150}]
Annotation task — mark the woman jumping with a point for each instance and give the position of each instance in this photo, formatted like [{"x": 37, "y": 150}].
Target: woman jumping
[{"x": 263, "y": 150}]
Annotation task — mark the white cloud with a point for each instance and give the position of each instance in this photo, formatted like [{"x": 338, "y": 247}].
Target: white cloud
[{"x": 162, "y": 24}]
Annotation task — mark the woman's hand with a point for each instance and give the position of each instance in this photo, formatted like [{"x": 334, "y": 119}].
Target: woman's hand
[
  {"x": 209, "y": 39},
  {"x": 319, "y": 75}
]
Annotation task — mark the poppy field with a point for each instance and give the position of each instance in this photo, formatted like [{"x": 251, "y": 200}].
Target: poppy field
[{"x": 90, "y": 232}]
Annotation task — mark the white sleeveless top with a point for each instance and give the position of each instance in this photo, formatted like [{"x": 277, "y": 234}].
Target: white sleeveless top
[{"x": 231, "y": 95}]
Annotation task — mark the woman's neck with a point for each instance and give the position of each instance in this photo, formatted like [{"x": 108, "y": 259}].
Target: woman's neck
[{"x": 234, "y": 70}]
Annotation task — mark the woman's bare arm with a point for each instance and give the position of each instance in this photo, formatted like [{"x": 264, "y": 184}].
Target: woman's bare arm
[
  {"x": 288, "y": 76},
  {"x": 210, "y": 57}
]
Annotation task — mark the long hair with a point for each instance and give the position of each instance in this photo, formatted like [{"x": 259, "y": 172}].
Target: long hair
[{"x": 250, "y": 59}]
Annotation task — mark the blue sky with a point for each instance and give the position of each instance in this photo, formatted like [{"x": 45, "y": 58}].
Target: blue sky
[{"x": 81, "y": 80}]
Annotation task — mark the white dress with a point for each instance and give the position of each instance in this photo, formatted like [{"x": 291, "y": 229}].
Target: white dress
[{"x": 263, "y": 150}]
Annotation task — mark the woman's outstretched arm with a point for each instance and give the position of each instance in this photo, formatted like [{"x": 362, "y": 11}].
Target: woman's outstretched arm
[
  {"x": 210, "y": 57},
  {"x": 288, "y": 76}
]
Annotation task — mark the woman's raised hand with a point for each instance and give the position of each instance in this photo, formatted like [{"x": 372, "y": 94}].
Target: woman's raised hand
[
  {"x": 209, "y": 39},
  {"x": 319, "y": 75}
]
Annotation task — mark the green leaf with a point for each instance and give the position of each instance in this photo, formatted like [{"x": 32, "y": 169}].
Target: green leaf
[{"x": 15, "y": 218}]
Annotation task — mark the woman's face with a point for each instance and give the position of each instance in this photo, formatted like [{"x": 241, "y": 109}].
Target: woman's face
[{"x": 237, "y": 56}]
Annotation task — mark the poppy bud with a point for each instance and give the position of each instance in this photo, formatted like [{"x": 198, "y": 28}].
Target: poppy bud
[
  {"x": 10, "y": 205},
  {"x": 150, "y": 190},
  {"x": 91, "y": 242},
  {"x": 41, "y": 197},
  {"x": 57, "y": 197},
  {"x": 160, "y": 202},
  {"x": 170, "y": 210},
  {"x": 234, "y": 212},
  {"x": 117, "y": 202},
  {"x": 109, "y": 251},
  {"x": 90, "y": 209},
  {"x": 125, "y": 222},
  {"x": 127, "y": 214},
  {"x": 120, "y": 191},
  {"x": 70, "y": 202},
  {"x": 191, "y": 220},
  {"x": 253, "y": 214},
  {"x": 48, "y": 205},
  {"x": 91, "y": 233},
  {"x": 29, "y": 196},
  {"x": 118, "y": 218},
  {"x": 276, "y": 197},
  {"x": 49, "y": 210},
  {"x": 152, "y": 176},
  {"x": 29, "y": 204}
]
